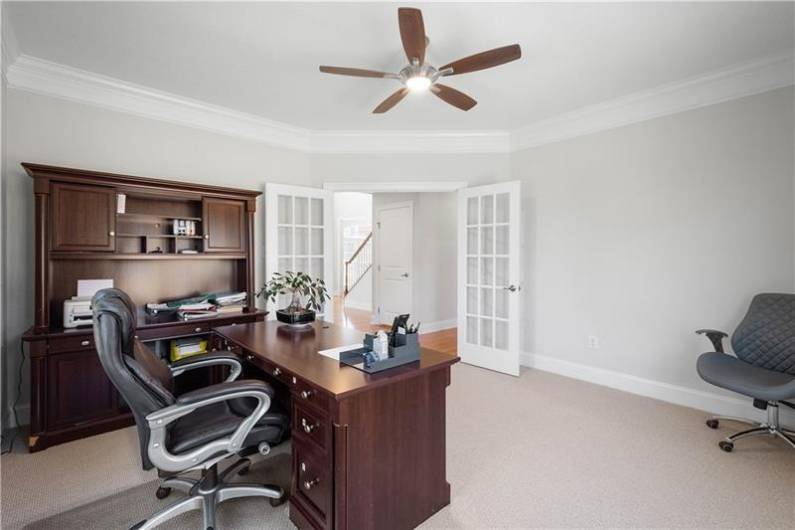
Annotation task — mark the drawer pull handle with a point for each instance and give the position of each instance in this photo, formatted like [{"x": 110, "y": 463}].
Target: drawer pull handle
[
  {"x": 308, "y": 427},
  {"x": 85, "y": 343},
  {"x": 306, "y": 394},
  {"x": 197, "y": 330},
  {"x": 309, "y": 484},
  {"x": 295, "y": 381},
  {"x": 249, "y": 357},
  {"x": 277, "y": 372},
  {"x": 303, "y": 467}
]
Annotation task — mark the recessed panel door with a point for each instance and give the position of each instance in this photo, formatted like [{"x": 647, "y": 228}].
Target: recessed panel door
[
  {"x": 394, "y": 235},
  {"x": 83, "y": 218}
]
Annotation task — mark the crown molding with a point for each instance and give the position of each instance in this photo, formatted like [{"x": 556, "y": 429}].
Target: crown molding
[
  {"x": 52, "y": 79},
  {"x": 8, "y": 42},
  {"x": 734, "y": 82},
  {"x": 339, "y": 142}
]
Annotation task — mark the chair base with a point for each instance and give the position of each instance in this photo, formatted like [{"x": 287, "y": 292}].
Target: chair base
[
  {"x": 208, "y": 492},
  {"x": 771, "y": 427}
]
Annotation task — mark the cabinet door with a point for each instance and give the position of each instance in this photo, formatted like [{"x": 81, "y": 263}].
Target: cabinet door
[
  {"x": 78, "y": 391},
  {"x": 83, "y": 218},
  {"x": 224, "y": 225}
]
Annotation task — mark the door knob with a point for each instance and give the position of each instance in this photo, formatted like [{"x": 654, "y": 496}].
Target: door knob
[
  {"x": 405, "y": 275},
  {"x": 511, "y": 288}
]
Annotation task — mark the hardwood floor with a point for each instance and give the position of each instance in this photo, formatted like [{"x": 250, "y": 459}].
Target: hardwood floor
[{"x": 444, "y": 341}]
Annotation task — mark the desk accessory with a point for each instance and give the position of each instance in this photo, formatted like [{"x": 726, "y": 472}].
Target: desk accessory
[{"x": 405, "y": 350}]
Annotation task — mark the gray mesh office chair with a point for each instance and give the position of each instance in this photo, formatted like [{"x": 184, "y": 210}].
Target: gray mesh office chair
[
  {"x": 764, "y": 366},
  {"x": 194, "y": 431}
]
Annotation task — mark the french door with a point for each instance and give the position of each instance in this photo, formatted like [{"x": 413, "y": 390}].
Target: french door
[
  {"x": 298, "y": 235},
  {"x": 489, "y": 276}
]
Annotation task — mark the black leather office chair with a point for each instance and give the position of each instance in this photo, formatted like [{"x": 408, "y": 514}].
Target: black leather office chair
[
  {"x": 764, "y": 366},
  {"x": 194, "y": 431}
]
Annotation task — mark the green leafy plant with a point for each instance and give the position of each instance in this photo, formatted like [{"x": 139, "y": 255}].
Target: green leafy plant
[{"x": 298, "y": 285}]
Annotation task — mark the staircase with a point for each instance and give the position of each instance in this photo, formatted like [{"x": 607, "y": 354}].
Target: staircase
[{"x": 359, "y": 263}]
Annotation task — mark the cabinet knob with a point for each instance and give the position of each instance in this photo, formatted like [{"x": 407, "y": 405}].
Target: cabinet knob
[
  {"x": 306, "y": 394},
  {"x": 85, "y": 343},
  {"x": 206, "y": 236},
  {"x": 277, "y": 372},
  {"x": 197, "y": 330},
  {"x": 111, "y": 233},
  {"x": 249, "y": 357},
  {"x": 309, "y": 484},
  {"x": 308, "y": 427}
]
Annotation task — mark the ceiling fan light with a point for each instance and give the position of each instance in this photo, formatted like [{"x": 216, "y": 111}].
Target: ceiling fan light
[{"x": 418, "y": 83}]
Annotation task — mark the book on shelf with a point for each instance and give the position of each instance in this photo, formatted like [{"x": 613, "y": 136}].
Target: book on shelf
[{"x": 229, "y": 309}]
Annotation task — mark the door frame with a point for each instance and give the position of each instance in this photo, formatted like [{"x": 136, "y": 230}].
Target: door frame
[
  {"x": 377, "y": 302},
  {"x": 272, "y": 191}
]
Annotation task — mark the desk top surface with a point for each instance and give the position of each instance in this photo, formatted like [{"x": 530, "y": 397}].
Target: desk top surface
[{"x": 297, "y": 352}]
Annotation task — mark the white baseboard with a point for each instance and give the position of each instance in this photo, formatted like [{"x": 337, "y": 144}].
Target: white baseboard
[
  {"x": 698, "y": 399},
  {"x": 353, "y": 304},
  {"x": 439, "y": 325}
]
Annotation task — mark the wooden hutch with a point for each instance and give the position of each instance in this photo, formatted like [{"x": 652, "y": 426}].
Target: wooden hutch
[{"x": 82, "y": 233}]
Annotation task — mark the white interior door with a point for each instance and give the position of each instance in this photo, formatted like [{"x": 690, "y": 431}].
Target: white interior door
[
  {"x": 394, "y": 239},
  {"x": 489, "y": 276},
  {"x": 298, "y": 235}
]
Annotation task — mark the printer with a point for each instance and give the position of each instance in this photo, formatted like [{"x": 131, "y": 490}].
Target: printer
[{"x": 77, "y": 310}]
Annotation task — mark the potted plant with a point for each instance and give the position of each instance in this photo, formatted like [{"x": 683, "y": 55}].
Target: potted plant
[{"x": 298, "y": 285}]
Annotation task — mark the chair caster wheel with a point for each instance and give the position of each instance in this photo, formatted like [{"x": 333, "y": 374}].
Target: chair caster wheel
[
  {"x": 162, "y": 492},
  {"x": 279, "y": 501},
  {"x": 726, "y": 446},
  {"x": 713, "y": 424}
]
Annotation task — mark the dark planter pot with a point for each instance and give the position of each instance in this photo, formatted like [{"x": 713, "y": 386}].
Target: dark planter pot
[{"x": 295, "y": 319}]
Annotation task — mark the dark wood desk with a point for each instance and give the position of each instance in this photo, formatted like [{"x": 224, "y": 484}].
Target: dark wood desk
[{"x": 368, "y": 450}]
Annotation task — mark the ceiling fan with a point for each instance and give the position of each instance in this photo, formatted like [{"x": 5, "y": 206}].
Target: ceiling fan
[{"x": 418, "y": 75}]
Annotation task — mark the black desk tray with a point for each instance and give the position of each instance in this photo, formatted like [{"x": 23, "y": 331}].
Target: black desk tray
[{"x": 408, "y": 351}]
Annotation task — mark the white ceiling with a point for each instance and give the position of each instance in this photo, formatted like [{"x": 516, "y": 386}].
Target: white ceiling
[{"x": 262, "y": 58}]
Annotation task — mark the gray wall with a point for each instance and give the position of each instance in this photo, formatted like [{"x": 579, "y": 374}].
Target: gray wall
[
  {"x": 434, "y": 260},
  {"x": 642, "y": 234},
  {"x": 637, "y": 235}
]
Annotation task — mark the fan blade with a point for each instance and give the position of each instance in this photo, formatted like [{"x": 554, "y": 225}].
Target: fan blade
[
  {"x": 412, "y": 33},
  {"x": 391, "y": 101},
  {"x": 483, "y": 60},
  {"x": 357, "y": 72},
  {"x": 453, "y": 96}
]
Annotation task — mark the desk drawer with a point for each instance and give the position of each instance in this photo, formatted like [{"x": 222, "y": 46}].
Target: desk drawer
[
  {"x": 310, "y": 425},
  {"x": 64, "y": 344},
  {"x": 312, "y": 480},
  {"x": 181, "y": 330},
  {"x": 307, "y": 394}
]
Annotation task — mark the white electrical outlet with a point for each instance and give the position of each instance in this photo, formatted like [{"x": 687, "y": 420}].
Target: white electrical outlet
[{"x": 593, "y": 342}]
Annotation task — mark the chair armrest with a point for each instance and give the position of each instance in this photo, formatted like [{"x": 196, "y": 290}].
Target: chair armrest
[
  {"x": 217, "y": 449},
  {"x": 222, "y": 390},
  {"x": 209, "y": 359},
  {"x": 715, "y": 336}
]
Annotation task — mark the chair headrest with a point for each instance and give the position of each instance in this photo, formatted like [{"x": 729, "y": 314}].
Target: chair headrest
[{"x": 118, "y": 304}]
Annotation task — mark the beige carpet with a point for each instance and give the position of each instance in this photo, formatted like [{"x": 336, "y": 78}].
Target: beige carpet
[{"x": 538, "y": 451}]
